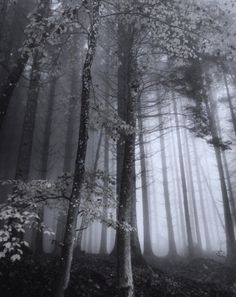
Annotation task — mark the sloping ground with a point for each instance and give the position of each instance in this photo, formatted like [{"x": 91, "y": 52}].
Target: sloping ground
[{"x": 94, "y": 276}]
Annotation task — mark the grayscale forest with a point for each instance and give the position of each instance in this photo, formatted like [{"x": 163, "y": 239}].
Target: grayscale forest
[{"x": 117, "y": 148}]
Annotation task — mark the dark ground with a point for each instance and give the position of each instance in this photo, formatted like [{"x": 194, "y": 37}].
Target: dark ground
[{"x": 94, "y": 276}]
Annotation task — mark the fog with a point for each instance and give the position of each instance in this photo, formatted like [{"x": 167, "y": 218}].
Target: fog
[{"x": 117, "y": 145}]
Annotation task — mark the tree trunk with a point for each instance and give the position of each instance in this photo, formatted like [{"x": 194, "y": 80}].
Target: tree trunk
[
  {"x": 45, "y": 156},
  {"x": 226, "y": 169},
  {"x": 125, "y": 40},
  {"x": 184, "y": 185},
  {"x": 79, "y": 174},
  {"x": 124, "y": 267},
  {"x": 137, "y": 257},
  {"x": 212, "y": 197},
  {"x": 103, "y": 245},
  {"x": 229, "y": 229},
  {"x": 201, "y": 198},
  {"x": 68, "y": 154},
  {"x": 179, "y": 195},
  {"x": 7, "y": 88},
  {"x": 25, "y": 150},
  {"x": 147, "y": 251},
  {"x": 195, "y": 212},
  {"x": 48, "y": 129},
  {"x": 170, "y": 229}
]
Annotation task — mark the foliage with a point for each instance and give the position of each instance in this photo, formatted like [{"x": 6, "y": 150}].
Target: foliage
[{"x": 21, "y": 210}]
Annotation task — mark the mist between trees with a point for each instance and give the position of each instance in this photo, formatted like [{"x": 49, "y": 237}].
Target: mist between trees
[{"x": 117, "y": 132}]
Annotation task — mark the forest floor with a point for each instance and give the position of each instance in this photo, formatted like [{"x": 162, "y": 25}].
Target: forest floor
[{"x": 94, "y": 276}]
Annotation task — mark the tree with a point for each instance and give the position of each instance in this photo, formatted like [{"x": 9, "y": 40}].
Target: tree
[
  {"x": 193, "y": 196},
  {"x": 184, "y": 185},
  {"x": 7, "y": 88},
  {"x": 144, "y": 184},
  {"x": 229, "y": 229},
  {"x": 70, "y": 229}
]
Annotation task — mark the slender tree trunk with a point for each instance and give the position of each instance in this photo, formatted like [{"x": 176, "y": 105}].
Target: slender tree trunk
[
  {"x": 68, "y": 154},
  {"x": 124, "y": 52},
  {"x": 226, "y": 170},
  {"x": 48, "y": 129},
  {"x": 7, "y": 88},
  {"x": 145, "y": 197},
  {"x": 170, "y": 229},
  {"x": 45, "y": 155},
  {"x": 179, "y": 195},
  {"x": 212, "y": 196},
  {"x": 184, "y": 185},
  {"x": 25, "y": 150},
  {"x": 124, "y": 267},
  {"x": 195, "y": 212},
  {"x": 137, "y": 257},
  {"x": 79, "y": 174},
  {"x": 229, "y": 229},
  {"x": 201, "y": 195},
  {"x": 103, "y": 245}
]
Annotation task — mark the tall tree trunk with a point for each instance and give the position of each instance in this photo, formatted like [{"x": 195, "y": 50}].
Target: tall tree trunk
[
  {"x": 184, "y": 185},
  {"x": 124, "y": 52},
  {"x": 229, "y": 229},
  {"x": 103, "y": 245},
  {"x": 79, "y": 174},
  {"x": 137, "y": 257},
  {"x": 212, "y": 196},
  {"x": 7, "y": 88},
  {"x": 25, "y": 150},
  {"x": 147, "y": 251},
  {"x": 170, "y": 229},
  {"x": 48, "y": 128},
  {"x": 124, "y": 267},
  {"x": 179, "y": 195},
  {"x": 45, "y": 156},
  {"x": 68, "y": 154},
  {"x": 201, "y": 195},
  {"x": 195, "y": 212},
  {"x": 226, "y": 170}
]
